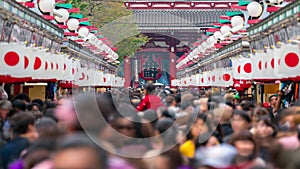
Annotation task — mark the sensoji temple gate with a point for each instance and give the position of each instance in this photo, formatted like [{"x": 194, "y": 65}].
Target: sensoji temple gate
[{"x": 173, "y": 26}]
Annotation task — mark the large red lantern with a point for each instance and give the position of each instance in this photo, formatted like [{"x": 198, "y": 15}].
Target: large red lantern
[
  {"x": 238, "y": 86},
  {"x": 246, "y": 84}
]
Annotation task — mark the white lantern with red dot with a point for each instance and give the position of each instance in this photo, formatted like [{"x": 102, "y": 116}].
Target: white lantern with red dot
[
  {"x": 83, "y": 31},
  {"x": 254, "y": 9},
  {"x": 237, "y": 21},
  {"x": 64, "y": 15},
  {"x": 46, "y": 5},
  {"x": 73, "y": 24},
  {"x": 225, "y": 29}
]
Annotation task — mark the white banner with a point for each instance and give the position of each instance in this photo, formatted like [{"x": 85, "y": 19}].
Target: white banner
[{"x": 289, "y": 63}]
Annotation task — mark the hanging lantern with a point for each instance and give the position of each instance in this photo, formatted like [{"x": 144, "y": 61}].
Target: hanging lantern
[
  {"x": 115, "y": 56},
  {"x": 245, "y": 84},
  {"x": 73, "y": 24},
  {"x": 211, "y": 40},
  {"x": 254, "y": 9},
  {"x": 238, "y": 86},
  {"x": 64, "y": 15},
  {"x": 46, "y": 5},
  {"x": 237, "y": 21},
  {"x": 217, "y": 35},
  {"x": 83, "y": 31},
  {"x": 225, "y": 29}
]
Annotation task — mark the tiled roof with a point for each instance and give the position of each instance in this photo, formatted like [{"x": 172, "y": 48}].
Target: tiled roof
[{"x": 177, "y": 18}]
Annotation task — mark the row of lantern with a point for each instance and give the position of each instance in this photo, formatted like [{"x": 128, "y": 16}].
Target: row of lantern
[
  {"x": 237, "y": 23},
  {"x": 217, "y": 78},
  {"x": 83, "y": 33},
  {"x": 19, "y": 61},
  {"x": 86, "y": 77},
  {"x": 275, "y": 64},
  {"x": 253, "y": 9}
]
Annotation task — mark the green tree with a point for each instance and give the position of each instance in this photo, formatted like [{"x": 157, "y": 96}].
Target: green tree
[{"x": 115, "y": 22}]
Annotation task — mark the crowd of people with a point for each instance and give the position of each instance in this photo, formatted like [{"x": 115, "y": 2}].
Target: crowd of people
[{"x": 149, "y": 128}]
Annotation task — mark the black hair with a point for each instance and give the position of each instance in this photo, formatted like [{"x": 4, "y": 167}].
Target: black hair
[
  {"x": 192, "y": 121},
  {"x": 243, "y": 115},
  {"x": 228, "y": 103},
  {"x": 38, "y": 101},
  {"x": 168, "y": 114},
  {"x": 178, "y": 98},
  {"x": 35, "y": 104},
  {"x": 244, "y": 135},
  {"x": 267, "y": 121},
  {"x": 19, "y": 104},
  {"x": 21, "y": 121},
  {"x": 22, "y": 96},
  {"x": 149, "y": 87},
  {"x": 203, "y": 138},
  {"x": 274, "y": 95}
]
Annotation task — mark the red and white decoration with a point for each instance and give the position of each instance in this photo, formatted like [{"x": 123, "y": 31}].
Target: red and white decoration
[
  {"x": 13, "y": 59},
  {"x": 242, "y": 68},
  {"x": 227, "y": 77},
  {"x": 217, "y": 78},
  {"x": 289, "y": 61},
  {"x": 257, "y": 66},
  {"x": 28, "y": 63}
]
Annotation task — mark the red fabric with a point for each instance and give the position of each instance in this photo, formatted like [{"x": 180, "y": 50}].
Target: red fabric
[{"x": 150, "y": 102}]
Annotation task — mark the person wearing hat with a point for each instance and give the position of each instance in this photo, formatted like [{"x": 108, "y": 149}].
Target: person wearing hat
[{"x": 237, "y": 99}]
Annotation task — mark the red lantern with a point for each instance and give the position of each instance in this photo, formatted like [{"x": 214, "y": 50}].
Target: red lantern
[
  {"x": 238, "y": 86},
  {"x": 245, "y": 84}
]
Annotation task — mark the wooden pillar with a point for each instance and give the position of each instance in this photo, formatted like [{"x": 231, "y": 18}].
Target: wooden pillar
[{"x": 127, "y": 72}]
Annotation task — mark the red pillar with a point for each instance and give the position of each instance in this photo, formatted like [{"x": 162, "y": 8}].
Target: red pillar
[
  {"x": 127, "y": 71},
  {"x": 172, "y": 67}
]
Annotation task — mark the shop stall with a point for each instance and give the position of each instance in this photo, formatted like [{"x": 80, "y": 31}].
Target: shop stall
[{"x": 275, "y": 52}]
